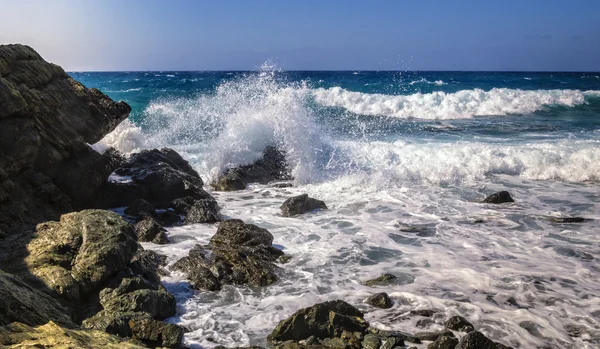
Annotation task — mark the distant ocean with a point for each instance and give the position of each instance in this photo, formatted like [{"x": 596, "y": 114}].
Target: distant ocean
[{"x": 403, "y": 160}]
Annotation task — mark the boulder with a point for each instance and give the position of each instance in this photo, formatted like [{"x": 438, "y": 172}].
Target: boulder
[
  {"x": 476, "y": 340},
  {"x": 51, "y": 335},
  {"x": 499, "y": 198},
  {"x": 380, "y": 300},
  {"x": 238, "y": 254},
  {"x": 459, "y": 323},
  {"x": 138, "y": 295},
  {"x": 300, "y": 204},
  {"x": 156, "y": 333},
  {"x": 149, "y": 230},
  {"x": 328, "y": 320},
  {"x": 444, "y": 342},
  {"x": 47, "y": 120},
  {"x": 203, "y": 211},
  {"x": 432, "y": 336},
  {"x": 383, "y": 280},
  {"x": 158, "y": 176},
  {"x": 140, "y": 208},
  {"x": 271, "y": 167}
]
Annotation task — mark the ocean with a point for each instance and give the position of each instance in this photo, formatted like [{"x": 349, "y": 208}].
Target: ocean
[{"x": 403, "y": 161}]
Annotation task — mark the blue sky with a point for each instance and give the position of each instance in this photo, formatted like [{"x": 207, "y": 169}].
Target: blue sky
[{"x": 308, "y": 35}]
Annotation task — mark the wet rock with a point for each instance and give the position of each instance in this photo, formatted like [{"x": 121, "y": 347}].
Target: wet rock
[
  {"x": 156, "y": 333},
  {"x": 371, "y": 341},
  {"x": 157, "y": 303},
  {"x": 432, "y": 336},
  {"x": 399, "y": 335},
  {"x": 476, "y": 340},
  {"x": 424, "y": 323},
  {"x": 423, "y": 312},
  {"x": 158, "y": 176},
  {"x": 203, "y": 211},
  {"x": 182, "y": 205},
  {"x": 271, "y": 167},
  {"x": 567, "y": 219},
  {"x": 499, "y": 198},
  {"x": 140, "y": 208},
  {"x": 300, "y": 204},
  {"x": 238, "y": 254},
  {"x": 112, "y": 322},
  {"x": 168, "y": 218},
  {"x": 51, "y": 335},
  {"x": 326, "y": 320},
  {"x": 444, "y": 342},
  {"x": 149, "y": 230},
  {"x": 380, "y": 300},
  {"x": 391, "y": 343},
  {"x": 459, "y": 323},
  {"x": 383, "y": 280}
]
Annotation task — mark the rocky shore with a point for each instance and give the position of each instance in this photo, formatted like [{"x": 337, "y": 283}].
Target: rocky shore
[{"x": 74, "y": 274}]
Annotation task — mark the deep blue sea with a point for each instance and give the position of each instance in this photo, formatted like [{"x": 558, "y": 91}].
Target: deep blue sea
[{"x": 403, "y": 160}]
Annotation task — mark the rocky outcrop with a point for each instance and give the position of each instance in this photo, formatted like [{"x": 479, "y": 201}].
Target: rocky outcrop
[
  {"x": 47, "y": 120},
  {"x": 459, "y": 323},
  {"x": 203, "y": 211},
  {"x": 444, "y": 342},
  {"x": 150, "y": 230},
  {"x": 499, "y": 198},
  {"x": 51, "y": 335},
  {"x": 383, "y": 280},
  {"x": 238, "y": 254},
  {"x": 301, "y": 204},
  {"x": 476, "y": 340},
  {"x": 271, "y": 167},
  {"x": 380, "y": 300}
]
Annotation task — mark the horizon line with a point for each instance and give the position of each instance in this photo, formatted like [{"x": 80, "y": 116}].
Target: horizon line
[{"x": 334, "y": 70}]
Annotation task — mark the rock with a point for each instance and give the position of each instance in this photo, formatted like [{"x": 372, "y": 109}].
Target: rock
[
  {"x": 499, "y": 198},
  {"x": 20, "y": 302},
  {"x": 203, "y": 211},
  {"x": 47, "y": 120},
  {"x": 380, "y": 300},
  {"x": 567, "y": 219},
  {"x": 135, "y": 295},
  {"x": 385, "y": 279},
  {"x": 51, "y": 335},
  {"x": 300, "y": 204},
  {"x": 326, "y": 320},
  {"x": 240, "y": 254},
  {"x": 371, "y": 341},
  {"x": 140, "y": 208},
  {"x": 399, "y": 335},
  {"x": 149, "y": 230},
  {"x": 443, "y": 342},
  {"x": 80, "y": 253},
  {"x": 459, "y": 323},
  {"x": 432, "y": 336},
  {"x": 156, "y": 333},
  {"x": 423, "y": 312},
  {"x": 168, "y": 218},
  {"x": 272, "y": 166},
  {"x": 157, "y": 176},
  {"x": 182, "y": 205},
  {"x": 476, "y": 340},
  {"x": 112, "y": 322},
  {"x": 391, "y": 343}
]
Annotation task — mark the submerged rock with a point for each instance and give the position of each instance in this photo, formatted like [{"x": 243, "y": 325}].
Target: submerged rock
[
  {"x": 328, "y": 320},
  {"x": 567, "y": 219},
  {"x": 271, "y": 167},
  {"x": 203, "y": 211},
  {"x": 301, "y": 204},
  {"x": 459, "y": 323},
  {"x": 385, "y": 279},
  {"x": 499, "y": 198},
  {"x": 238, "y": 254},
  {"x": 380, "y": 300},
  {"x": 149, "y": 230}
]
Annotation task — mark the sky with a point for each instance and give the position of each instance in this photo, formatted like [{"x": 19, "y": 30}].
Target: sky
[{"x": 110, "y": 35}]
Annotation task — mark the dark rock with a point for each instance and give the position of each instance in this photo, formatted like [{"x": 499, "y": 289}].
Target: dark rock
[
  {"x": 156, "y": 333},
  {"x": 272, "y": 166},
  {"x": 371, "y": 341},
  {"x": 326, "y": 320},
  {"x": 391, "y": 343},
  {"x": 112, "y": 322},
  {"x": 300, "y": 204},
  {"x": 499, "y": 198},
  {"x": 401, "y": 336},
  {"x": 423, "y": 312},
  {"x": 157, "y": 176},
  {"x": 567, "y": 219},
  {"x": 459, "y": 323},
  {"x": 432, "y": 336},
  {"x": 158, "y": 303},
  {"x": 380, "y": 300},
  {"x": 148, "y": 265},
  {"x": 203, "y": 211},
  {"x": 476, "y": 340},
  {"x": 149, "y": 230},
  {"x": 168, "y": 218},
  {"x": 385, "y": 279},
  {"x": 46, "y": 121},
  {"x": 141, "y": 208},
  {"x": 443, "y": 342},
  {"x": 235, "y": 232},
  {"x": 182, "y": 205}
]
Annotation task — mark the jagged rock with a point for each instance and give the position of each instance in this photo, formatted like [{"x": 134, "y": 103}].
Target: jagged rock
[
  {"x": 371, "y": 341},
  {"x": 444, "y": 342},
  {"x": 20, "y": 302},
  {"x": 235, "y": 232},
  {"x": 168, "y": 218},
  {"x": 391, "y": 343},
  {"x": 81, "y": 252},
  {"x": 328, "y": 320},
  {"x": 51, "y": 335},
  {"x": 46, "y": 121},
  {"x": 499, "y": 198},
  {"x": 380, "y": 300},
  {"x": 149, "y": 230},
  {"x": 156, "y": 333},
  {"x": 146, "y": 264},
  {"x": 385, "y": 279},
  {"x": 157, "y": 176},
  {"x": 432, "y": 336},
  {"x": 399, "y": 335},
  {"x": 140, "y": 208},
  {"x": 272, "y": 166},
  {"x": 182, "y": 205},
  {"x": 476, "y": 340},
  {"x": 459, "y": 323},
  {"x": 203, "y": 211},
  {"x": 112, "y": 322},
  {"x": 300, "y": 204},
  {"x": 137, "y": 295}
]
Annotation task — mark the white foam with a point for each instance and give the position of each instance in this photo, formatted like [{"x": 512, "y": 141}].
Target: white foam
[
  {"x": 459, "y": 105},
  {"x": 425, "y": 81},
  {"x": 126, "y": 137}
]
